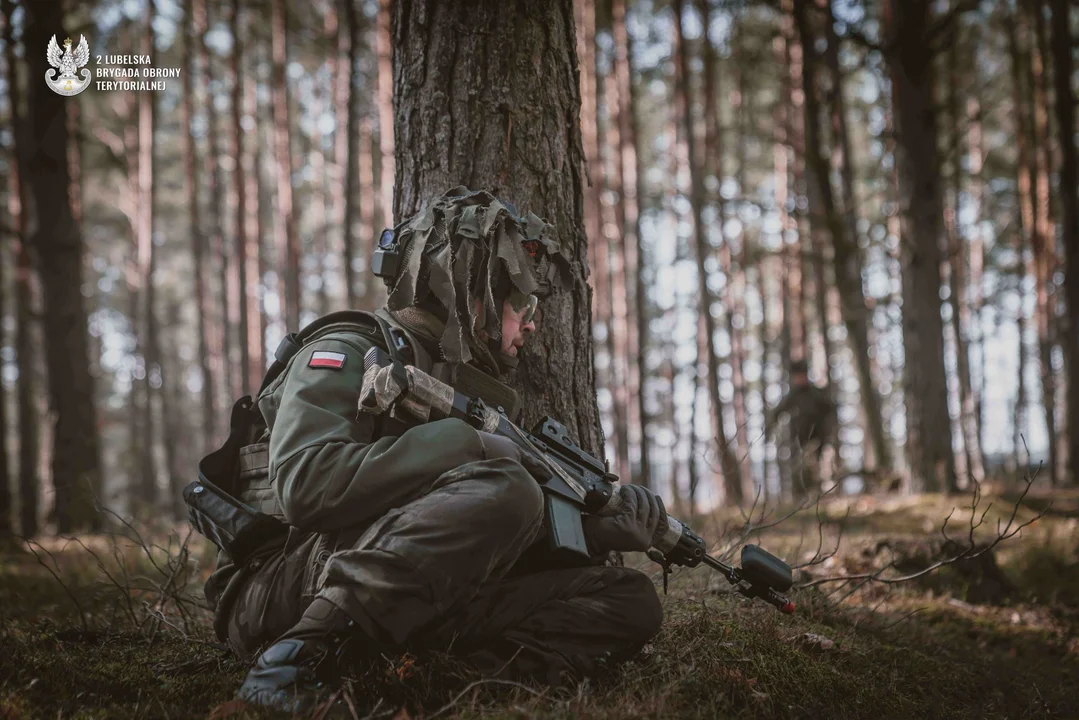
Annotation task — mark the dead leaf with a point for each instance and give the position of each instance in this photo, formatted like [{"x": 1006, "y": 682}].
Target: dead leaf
[
  {"x": 402, "y": 714},
  {"x": 228, "y": 709}
]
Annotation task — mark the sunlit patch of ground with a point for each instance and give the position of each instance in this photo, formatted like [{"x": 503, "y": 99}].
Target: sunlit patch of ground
[{"x": 922, "y": 649}]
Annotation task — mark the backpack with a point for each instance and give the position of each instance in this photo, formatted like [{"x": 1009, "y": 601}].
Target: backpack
[{"x": 214, "y": 504}]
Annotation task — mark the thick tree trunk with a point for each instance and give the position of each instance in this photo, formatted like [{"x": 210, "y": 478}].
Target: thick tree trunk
[
  {"x": 732, "y": 476},
  {"x": 198, "y": 240},
  {"x": 633, "y": 189},
  {"x": 76, "y": 465},
  {"x": 19, "y": 211},
  {"x": 288, "y": 242},
  {"x": 1069, "y": 205},
  {"x": 479, "y": 88},
  {"x": 910, "y": 63}
]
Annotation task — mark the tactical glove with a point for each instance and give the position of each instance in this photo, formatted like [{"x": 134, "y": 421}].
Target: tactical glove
[{"x": 639, "y": 519}]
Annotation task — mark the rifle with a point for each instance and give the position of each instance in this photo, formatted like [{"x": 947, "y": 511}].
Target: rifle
[{"x": 576, "y": 482}]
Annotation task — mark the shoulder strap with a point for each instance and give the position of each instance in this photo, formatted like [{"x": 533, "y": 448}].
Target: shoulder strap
[{"x": 291, "y": 343}]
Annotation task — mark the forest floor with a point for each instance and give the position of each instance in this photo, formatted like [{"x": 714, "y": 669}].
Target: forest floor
[{"x": 90, "y": 628}]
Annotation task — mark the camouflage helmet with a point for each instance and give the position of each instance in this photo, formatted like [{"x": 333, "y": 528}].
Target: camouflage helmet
[{"x": 469, "y": 244}]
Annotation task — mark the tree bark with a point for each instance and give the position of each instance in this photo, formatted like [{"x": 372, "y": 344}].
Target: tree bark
[
  {"x": 1045, "y": 237},
  {"x": 1062, "y": 44},
  {"x": 146, "y": 259},
  {"x": 198, "y": 240},
  {"x": 633, "y": 193},
  {"x": 910, "y": 62},
  {"x": 732, "y": 476},
  {"x": 5, "y": 474},
  {"x": 385, "y": 44},
  {"x": 346, "y": 132},
  {"x": 288, "y": 242},
  {"x": 486, "y": 95},
  {"x": 245, "y": 288},
  {"x": 256, "y": 313},
  {"x": 19, "y": 211},
  {"x": 76, "y": 466},
  {"x": 614, "y": 236}
]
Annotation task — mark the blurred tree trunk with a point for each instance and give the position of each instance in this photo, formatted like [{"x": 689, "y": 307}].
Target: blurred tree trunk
[
  {"x": 796, "y": 255},
  {"x": 598, "y": 252},
  {"x": 959, "y": 253},
  {"x": 76, "y": 467},
  {"x": 288, "y": 242},
  {"x": 841, "y": 226},
  {"x": 1017, "y": 37},
  {"x": 1044, "y": 240},
  {"x": 19, "y": 210},
  {"x": 384, "y": 46},
  {"x": 847, "y": 260},
  {"x": 910, "y": 62},
  {"x": 145, "y": 320},
  {"x": 713, "y": 163},
  {"x": 976, "y": 153},
  {"x": 732, "y": 476},
  {"x": 346, "y": 135},
  {"x": 614, "y": 236},
  {"x": 1062, "y": 44},
  {"x": 198, "y": 240},
  {"x": 471, "y": 128},
  {"x": 221, "y": 346},
  {"x": 175, "y": 427},
  {"x": 5, "y": 475},
  {"x": 246, "y": 286},
  {"x": 256, "y": 313},
  {"x": 374, "y": 291},
  {"x": 632, "y": 182}
]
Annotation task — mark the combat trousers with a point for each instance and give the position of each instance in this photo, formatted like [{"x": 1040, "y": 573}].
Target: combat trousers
[{"x": 433, "y": 574}]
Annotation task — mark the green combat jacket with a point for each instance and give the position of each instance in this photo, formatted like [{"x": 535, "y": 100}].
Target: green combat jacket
[{"x": 326, "y": 466}]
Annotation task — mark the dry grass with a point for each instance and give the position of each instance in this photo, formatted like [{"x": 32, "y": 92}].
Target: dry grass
[{"x": 915, "y": 650}]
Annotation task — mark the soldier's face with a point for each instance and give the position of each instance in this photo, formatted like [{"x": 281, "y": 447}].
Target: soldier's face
[{"x": 517, "y": 325}]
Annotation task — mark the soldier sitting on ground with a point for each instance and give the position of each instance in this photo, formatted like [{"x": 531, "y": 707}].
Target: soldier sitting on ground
[
  {"x": 811, "y": 423},
  {"x": 433, "y": 536}
]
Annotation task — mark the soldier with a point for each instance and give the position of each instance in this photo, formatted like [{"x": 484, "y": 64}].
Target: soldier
[
  {"x": 811, "y": 414},
  {"x": 417, "y": 538}
]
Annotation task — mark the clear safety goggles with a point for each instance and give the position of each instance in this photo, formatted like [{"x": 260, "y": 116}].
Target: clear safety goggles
[{"x": 526, "y": 304}]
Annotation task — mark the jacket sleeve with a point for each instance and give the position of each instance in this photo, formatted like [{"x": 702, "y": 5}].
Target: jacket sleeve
[{"x": 325, "y": 471}]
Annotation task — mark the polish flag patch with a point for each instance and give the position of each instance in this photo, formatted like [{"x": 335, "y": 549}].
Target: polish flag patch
[{"x": 324, "y": 359}]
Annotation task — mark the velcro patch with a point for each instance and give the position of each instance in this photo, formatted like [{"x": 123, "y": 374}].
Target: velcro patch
[{"x": 324, "y": 359}]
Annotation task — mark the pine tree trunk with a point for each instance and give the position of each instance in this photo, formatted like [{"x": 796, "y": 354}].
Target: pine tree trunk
[
  {"x": 847, "y": 261},
  {"x": 732, "y": 477},
  {"x": 243, "y": 285},
  {"x": 346, "y": 135},
  {"x": 598, "y": 252},
  {"x": 19, "y": 211},
  {"x": 614, "y": 218},
  {"x": 1025, "y": 182},
  {"x": 465, "y": 103},
  {"x": 146, "y": 260},
  {"x": 198, "y": 240},
  {"x": 255, "y": 316},
  {"x": 288, "y": 242},
  {"x": 1045, "y": 237},
  {"x": 5, "y": 475},
  {"x": 1062, "y": 44},
  {"x": 976, "y": 153},
  {"x": 910, "y": 63},
  {"x": 385, "y": 45},
  {"x": 633, "y": 194},
  {"x": 175, "y": 427},
  {"x": 76, "y": 466}
]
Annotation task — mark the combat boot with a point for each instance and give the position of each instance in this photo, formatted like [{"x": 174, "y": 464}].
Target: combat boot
[{"x": 305, "y": 665}]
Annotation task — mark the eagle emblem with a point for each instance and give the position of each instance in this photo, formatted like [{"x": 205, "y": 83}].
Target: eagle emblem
[{"x": 70, "y": 81}]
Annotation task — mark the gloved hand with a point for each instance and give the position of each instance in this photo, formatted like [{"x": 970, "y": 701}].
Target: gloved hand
[{"x": 638, "y": 520}]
